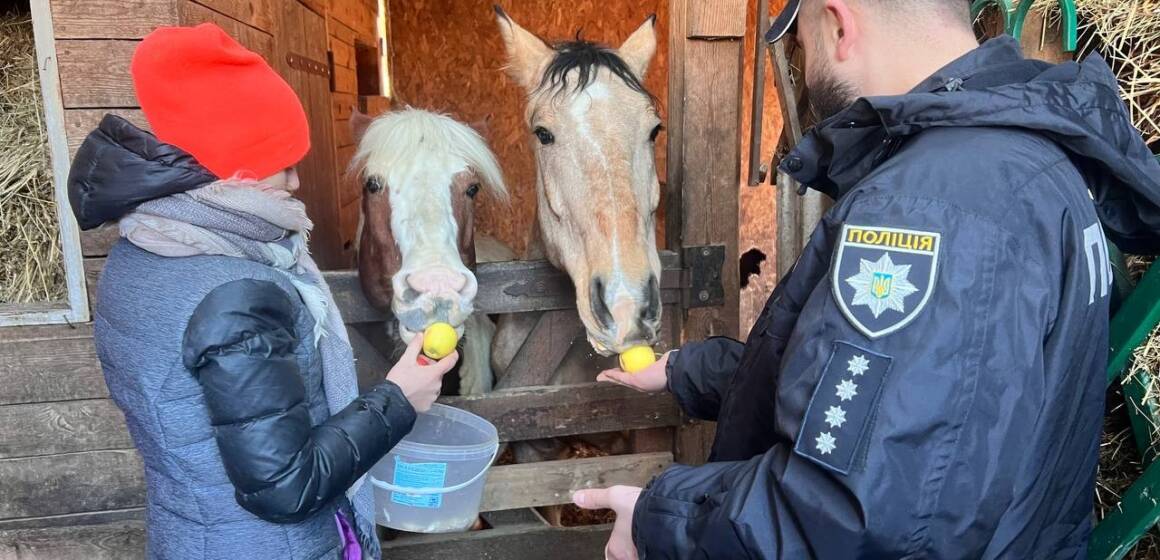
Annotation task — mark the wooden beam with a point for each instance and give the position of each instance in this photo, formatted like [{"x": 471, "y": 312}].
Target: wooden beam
[
  {"x": 715, "y": 19},
  {"x": 341, "y": 31},
  {"x": 343, "y": 53},
  {"x": 257, "y": 39},
  {"x": 345, "y": 81},
  {"x": 526, "y": 542},
  {"x": 50, "y": 370},
  {"x": 96, "y": 73},
  {"x": 705, "y": 46},
  {"x": 344, "y": 104},
  {"x": 258, "y": 14},
  {"x": 74, "y": 308},
  {"x": 674, "y": 160},
  {"x": 110, "y": 19},
  {"x": 553, "y": 482},
  {"x": 355, "y": 15},
  {"x": 565, "y": 410},
  {"x": 122, "y": 540},
  {"x": 62, "y": 427},
  {"x": 45, "y": 332},
  {"x": 543, "y": 349},
  {"x": 74, "y": 519},
  {"x": 78, "y": 123},
  {"x": 97, "y": 242},
  {"x": 504, "y": 287},
  {"x": 71, "y": 483}
]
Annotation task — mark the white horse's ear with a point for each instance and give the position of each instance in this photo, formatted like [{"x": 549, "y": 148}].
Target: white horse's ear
[
  {"x": 359, "y": 122},
  {"x": 638, "y": 49},
  {"x": 527, "y": 54}
]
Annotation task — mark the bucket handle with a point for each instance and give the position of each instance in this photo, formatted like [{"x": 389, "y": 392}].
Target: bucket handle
[{"x": 433, "y": 490}]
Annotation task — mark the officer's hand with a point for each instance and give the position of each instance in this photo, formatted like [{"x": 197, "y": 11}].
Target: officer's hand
[
  {"x": 622, "y": 500},
  {"x": 420, "y": 382},
  {"x": 651, "y": 379}
]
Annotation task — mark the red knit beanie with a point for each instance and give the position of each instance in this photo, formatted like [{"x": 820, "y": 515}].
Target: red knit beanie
[{"x": 204, "y": 93}]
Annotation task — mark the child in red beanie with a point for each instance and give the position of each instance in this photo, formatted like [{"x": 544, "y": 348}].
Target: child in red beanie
[{"x": 217, "y": 335}]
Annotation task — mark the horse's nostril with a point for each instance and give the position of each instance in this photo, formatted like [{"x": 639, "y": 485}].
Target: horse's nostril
[
  {"x": 651, "y": 311},
  {"x": 599, "y": 306}
]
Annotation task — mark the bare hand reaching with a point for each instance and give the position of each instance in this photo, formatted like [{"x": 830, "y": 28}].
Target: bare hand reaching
[
  {"x": 420, "y": 383},
  {"x": 622, "y": 500},
  {"x": 652, "y": 379}
]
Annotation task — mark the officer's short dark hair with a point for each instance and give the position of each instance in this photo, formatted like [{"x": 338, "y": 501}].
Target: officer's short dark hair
[{"x": 953, "y": 10}]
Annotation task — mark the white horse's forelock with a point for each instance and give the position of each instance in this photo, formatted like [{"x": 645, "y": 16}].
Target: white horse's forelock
[{"x": 399, "y": 143}]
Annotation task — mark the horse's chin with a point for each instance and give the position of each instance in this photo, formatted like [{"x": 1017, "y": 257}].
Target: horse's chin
[
  {"x": 600, "y": 347},
  {"x": 407, "y": 335}
]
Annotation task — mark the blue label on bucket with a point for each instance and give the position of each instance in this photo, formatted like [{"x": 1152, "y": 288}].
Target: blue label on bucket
[{"x": 419, "y": 475}]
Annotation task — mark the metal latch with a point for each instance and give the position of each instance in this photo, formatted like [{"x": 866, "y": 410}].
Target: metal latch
[{"x": 702, "y": 276}]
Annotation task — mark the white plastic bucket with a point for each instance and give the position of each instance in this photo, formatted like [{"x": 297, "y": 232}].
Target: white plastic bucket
[{"x": 432, "y": 481}]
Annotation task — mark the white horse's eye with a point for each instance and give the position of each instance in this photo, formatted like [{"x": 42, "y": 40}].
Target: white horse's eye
[
  {"x": 374, "y": 185},
  {"x": 652, "y": 137},
  {"x": 472, "y": 190},
  {"x": 544, "y": 136}
]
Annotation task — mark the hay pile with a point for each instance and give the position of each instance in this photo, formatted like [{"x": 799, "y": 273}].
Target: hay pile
[
  {"x": 31, "y": 267},
  {"x": 1127, "y": 34}
]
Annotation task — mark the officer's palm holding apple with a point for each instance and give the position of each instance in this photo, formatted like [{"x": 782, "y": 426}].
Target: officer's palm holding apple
[{"x": 650, "y": 379}]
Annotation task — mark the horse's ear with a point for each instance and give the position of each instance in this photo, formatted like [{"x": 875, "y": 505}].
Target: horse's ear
[
  {"x": 527, "y": 54},
  {"x": 359, "y": 122},
  {"x": 639, "y": 48}
]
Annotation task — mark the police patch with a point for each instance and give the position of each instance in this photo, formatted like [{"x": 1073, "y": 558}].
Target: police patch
[
  {"x": 883, "y": 277},
  {"x": 842, "y": 407}
]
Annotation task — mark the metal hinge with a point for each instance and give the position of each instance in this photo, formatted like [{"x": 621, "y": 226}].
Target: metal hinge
[
  {"x": 308, "y": 65},
  {"x": 702, "y": 276}
]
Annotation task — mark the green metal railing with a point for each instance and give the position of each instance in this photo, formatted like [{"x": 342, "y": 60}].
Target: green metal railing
[
  {"x": 1139, "y": 508},
  {"x": 1013, "y": 18}
]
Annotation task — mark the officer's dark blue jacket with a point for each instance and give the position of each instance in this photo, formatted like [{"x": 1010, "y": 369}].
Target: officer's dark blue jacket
[{"x": 928, "y": 380}]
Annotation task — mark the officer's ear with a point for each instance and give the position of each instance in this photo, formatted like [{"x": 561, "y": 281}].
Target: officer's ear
[{"x": 840, "y": 29}]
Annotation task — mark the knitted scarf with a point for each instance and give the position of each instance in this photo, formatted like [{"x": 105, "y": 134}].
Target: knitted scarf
[{"x": 250, "y": 221}]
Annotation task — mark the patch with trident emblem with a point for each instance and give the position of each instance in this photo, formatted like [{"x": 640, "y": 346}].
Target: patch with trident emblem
[{"x": 883, "y": 277}]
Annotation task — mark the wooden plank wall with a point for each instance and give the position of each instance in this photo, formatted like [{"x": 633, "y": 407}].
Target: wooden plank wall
[
  {"x": 447, "y": 56},
  {"x": 95, "y": 42},
  {"x": 349, "y": 22}
]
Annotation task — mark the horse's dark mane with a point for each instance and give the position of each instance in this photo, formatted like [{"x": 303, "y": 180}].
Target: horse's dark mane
[{"x": 587, "y": 58}]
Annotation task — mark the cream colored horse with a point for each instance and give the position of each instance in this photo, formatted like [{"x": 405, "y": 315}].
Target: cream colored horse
[
  {"x": 421, "y": 173},
  {"x": 593, "y": 126}
]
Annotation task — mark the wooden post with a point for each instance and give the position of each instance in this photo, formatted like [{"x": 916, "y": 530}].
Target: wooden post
[
  {"x": 796, "y": 214},
  {"x": 706, "y": 39},
  {"x": 75, "y": 308}
]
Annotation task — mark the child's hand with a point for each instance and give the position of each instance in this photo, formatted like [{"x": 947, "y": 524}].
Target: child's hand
[{"x": 420, "y": 383}]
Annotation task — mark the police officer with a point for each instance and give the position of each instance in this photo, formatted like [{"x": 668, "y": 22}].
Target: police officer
[{"x": 928, "y": 380}]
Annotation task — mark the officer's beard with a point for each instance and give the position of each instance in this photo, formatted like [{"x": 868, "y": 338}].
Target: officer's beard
[{"x": 829, "y": 95}]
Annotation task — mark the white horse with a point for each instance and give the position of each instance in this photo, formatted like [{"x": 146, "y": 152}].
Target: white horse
[{"x": 421, "y": 173}]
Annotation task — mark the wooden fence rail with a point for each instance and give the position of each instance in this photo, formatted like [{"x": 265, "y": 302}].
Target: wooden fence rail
[{"x": 504, "y": 287}]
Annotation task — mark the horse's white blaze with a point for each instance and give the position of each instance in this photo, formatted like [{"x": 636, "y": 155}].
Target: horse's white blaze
[{"x": 417, "y": 154}]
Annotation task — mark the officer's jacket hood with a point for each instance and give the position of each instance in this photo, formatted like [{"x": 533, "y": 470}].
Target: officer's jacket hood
[
  {"x": 1076, "y": 105},
  {"x": 120, "y": 166}
]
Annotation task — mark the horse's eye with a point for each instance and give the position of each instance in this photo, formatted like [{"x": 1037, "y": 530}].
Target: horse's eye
[
  {"x": 374, "y": 185},
  {"x": 472, "y": 190},
  {"x": 652, "y": 136},
  {"x": 544, "y": 136}
]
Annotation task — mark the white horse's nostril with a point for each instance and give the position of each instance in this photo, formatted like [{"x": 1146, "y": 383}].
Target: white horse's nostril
[{"x": 437, "y": 279}]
